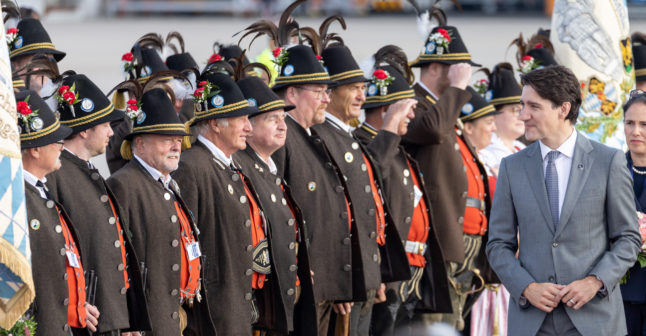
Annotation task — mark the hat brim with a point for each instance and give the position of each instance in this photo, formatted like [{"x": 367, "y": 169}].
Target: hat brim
[
  {"x": 351, "y": 80},
  {"x": 112, "y": 116},
  {"x": 419, "y": 63},
  {"x": 285, "y": 108},
  {"x": 178, "y": 133},
  {"x": 58, "y": 55},
  {"x": 640, "y": 78},
  {"x": 281, "y": 85},
  {"x": 61, "y": 133},
  {"x": 247, "y": 110}
]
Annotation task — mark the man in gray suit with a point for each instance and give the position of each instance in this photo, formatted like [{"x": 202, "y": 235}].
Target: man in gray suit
[{"x": 566, "y": 204}]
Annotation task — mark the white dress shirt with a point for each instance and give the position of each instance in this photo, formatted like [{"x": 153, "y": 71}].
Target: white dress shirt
[
  {"x": 428, "y": 90},
  {"x": 31, "y": 179},
  {"x": 271, "y": 164},
  {"x": 563, "y": 163},
  {"x": 215, "y": 150},
  {"x": 338, "y": 123},
  {"x": 156, "y": 174}
]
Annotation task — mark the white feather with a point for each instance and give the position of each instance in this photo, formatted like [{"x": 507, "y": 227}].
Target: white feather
[{"x": 424, "y": 25}]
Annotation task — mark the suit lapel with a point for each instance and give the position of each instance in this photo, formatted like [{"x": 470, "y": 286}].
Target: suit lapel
[
  {"x": 579, "y": 172},
  {"x": 534, "y": 168}
]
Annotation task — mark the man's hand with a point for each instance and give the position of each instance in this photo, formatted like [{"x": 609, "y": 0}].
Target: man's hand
[
  {"x": 544, "y": 296},
  {"x": 380, "y": 296},
  {"x": 92, "y": 313},
  {"x": 396, "y": 113},
  {"x": 579, "y": 292},
  {"x": 343, "y": 308},
  {"x": 460, "y": 75}
]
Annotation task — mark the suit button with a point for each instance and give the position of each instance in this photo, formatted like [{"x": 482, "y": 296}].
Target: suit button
[
  {"x": 375, "y": 258},
  {"x": 247, "y": 296},
  {"x": 123, "y": 291},
  {"x": 66, "y": 302},
  {"x": 364, "y": 167},
  {"x": 175, "y": 243},
  {"x": 249, "y": 248},
  {"x": 317, "y": 141},
  {"x": 457, "y": 147},
  {"x": 167, "y": 196},
  {"x": 104, "y": 198},
  {"x": 175, "y": 267},
  {"x": 95, "y": 176},
  {"x": 292, "y": 245},
  {"x": 371, "y": 212},
  {"x": 49, "y": 204},
  {"x": 174, "y": 292},
  {"x": 112, "y": 220},
  {"x": 248, "y": 272},
  {"x": 243, "y": 199},
  {"x": 65, "y": 276},
  {"x": 551, "y": 279},
  {"x": 66, "y": 327},
  {"x": 120, "y": 267},
  {"x": 278, "y": 181},
  {"x": 290, "y": 221},
  {"x": 290, "y": 292},
  {"x": 58, "y": 229},
  {"x": 174, "y": 315},
  {"x": 339, "y": 189},
  {"x": 372, "y": 235},
  {"x": 460, "y": 220},
  {"x": 247, "y": 223},
  {"x": 293, "y": 268},
  {"x": 347, "y": 268},
  {"x": 367, "y": 189},
  {"x": 235, "y": 177},
  {"x": 62, "y": 251},
  {"x": 411, "y": 196},
  {"x": 346, "y": 241},
  {"x": 464, "y": 194},
  {"x": 173, "y": 219},
  {"x": 555, "y": 244},
  {"x": 117, "y": 243},
  {"x": 408, "y": 220}
]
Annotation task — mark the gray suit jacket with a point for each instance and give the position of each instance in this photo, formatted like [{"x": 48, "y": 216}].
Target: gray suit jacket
[{"x": 597, "y": 234}]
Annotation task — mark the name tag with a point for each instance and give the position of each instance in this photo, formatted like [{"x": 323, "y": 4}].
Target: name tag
[
  {"x": 72, "y": 259},
  {"x": 193, "y": 251},
  {"x": 418, "y": 195}
]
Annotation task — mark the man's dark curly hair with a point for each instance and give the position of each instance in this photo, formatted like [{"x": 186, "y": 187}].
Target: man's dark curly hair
[{"x": 557, "y": 84}]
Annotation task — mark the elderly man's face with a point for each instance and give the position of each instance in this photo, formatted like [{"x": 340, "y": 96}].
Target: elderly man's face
[
  {"x": 269, "y": 131},
  {"x": 161, "y": 152},
  {"x": 232, "y": 134}
]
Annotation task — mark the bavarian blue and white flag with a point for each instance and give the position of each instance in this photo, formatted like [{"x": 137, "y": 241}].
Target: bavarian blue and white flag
[
  {"x": 592, "y": 37},
  {"x": 16, "y": 283}
]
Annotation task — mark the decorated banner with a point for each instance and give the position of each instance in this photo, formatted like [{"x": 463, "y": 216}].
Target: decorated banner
[
  {"x": 16, "y": 284},
  {"x": 592, "y": 38}
]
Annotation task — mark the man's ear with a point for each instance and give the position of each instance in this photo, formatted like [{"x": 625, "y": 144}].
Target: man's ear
[
  {"x": 468, "y": 128},
  {"x": 213, "y": 125},
  {"x": 564, "y": 110}
]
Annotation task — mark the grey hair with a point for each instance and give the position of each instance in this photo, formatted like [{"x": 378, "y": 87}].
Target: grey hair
[{"x": 202, "y": 127}]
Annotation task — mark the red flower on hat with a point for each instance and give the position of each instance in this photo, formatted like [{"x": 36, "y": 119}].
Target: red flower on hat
[
  {"x": 63, "y": 89},
  {"x": 276, "y": 52},
  {"x": 444, "y": 33},
  {"x": 215, "y": 58},
  {"x": 128, "y": 57},
  {"x": 380, "y": 74},
  {"x": 198, "y": 93},
  {"x": 538, "y": 45},
  {"x": 202, "y": 83},
  {"x": 132, "y": 107},
  {"x": 12, "y": 31},
  {"x": 23, "y": 108},
  {"x": 12, "y": 34},
  {"x": 526, "y": 58},
  {"x": 318, "y": 57},
  {"x": 132, "y": 102},
  {"x": 69, "y": 97}
]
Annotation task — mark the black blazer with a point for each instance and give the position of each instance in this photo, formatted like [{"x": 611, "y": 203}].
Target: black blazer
[{"x": 634, "y": 289}]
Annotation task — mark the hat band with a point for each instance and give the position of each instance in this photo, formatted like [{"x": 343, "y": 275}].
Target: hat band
[
  {"x": 302, "y": 78},
  {"x": 273, "y": 105},
  {"x": 445, "y": 57},
  {"x": 89, "y": 118},
  {"x": 390, "y": 97},
  {"x": 18, "y": 83},
  {"x": 159, "y": 127},
  {"x": 640, "y": 72},
  {"x": 223, "y": 109},
  {"x": 505, "y": 100},
  {"x": 34, "y": 135},
  {"x": 346, "y": 75},
  {"x": 479, "y": 113},
  {"x": 33, "y": 46}
]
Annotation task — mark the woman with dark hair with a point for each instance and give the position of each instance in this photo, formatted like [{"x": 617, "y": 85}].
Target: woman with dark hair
[{"x": 634, "y": 290}]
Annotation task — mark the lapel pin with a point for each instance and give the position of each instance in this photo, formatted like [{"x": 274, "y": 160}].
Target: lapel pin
[{"x": 580, "y": 166}]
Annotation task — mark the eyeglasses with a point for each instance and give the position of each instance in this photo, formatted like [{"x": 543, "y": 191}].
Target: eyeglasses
[{"x": 318, "y": 92}]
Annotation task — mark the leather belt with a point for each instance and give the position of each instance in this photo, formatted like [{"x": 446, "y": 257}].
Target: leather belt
[
  {"x": 477, "y": 203},
  {"x": 415, "y": 247}
]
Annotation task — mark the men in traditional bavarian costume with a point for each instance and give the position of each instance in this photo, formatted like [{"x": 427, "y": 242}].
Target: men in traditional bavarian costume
[
  {"x": 407, "y": 200},
  {"x": 94, "y": 209},
  {"x": 286, "y": 227},
  {"x": 378, "y": 239},
  {"x": 163, "y": 232},
  {"x": 228, "y": 214},
  {"x": 140, "y": 63},
  {"x": 60, "y": 306},
  {"x": 436, "y": 141},
  {"x": 314, "y": 178}
]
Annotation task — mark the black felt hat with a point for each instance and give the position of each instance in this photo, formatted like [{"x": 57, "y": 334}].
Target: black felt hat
[
  {"x": 229, "y": 52},
  {"x": 476, "y": 108},
  {"x": 300, "y": 66},
  {"x": 503, "y": 87},
  {"x": 37, "y": 124},
  {"x": 157, "y": 116},
  {"x": 221, "y": 98},
  {"x": 381, "y": 93},
  {"x": 639, "y": 56},
  {"x": 151, "y": 63},
  {"x": 341, "y": 66},
  {"x": 261, "y": 96},
  {"x": 31, "y": 39},
  {"x": 181, "y": 62},
  {"x": 90, "y": 106},
  {"x": 543, "y": 56},
  {"x": 448, "y": 53}
]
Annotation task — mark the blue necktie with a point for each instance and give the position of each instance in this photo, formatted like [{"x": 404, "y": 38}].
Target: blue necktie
[{"x": 552, "y": 185}]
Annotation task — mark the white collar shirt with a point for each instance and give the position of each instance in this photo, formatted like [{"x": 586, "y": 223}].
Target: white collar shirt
[{"x": 563, "y": 163}]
